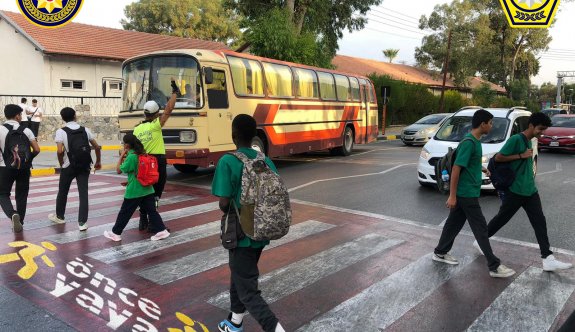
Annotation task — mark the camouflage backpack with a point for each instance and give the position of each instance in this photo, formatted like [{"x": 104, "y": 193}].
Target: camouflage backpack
[{"x": 265, "y": 207}]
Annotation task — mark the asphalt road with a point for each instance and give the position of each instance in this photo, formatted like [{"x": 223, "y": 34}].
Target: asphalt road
[{"x": 381, "y": 178}]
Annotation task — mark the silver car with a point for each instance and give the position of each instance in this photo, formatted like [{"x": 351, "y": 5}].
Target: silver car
[{"x": 423, "y": 129}]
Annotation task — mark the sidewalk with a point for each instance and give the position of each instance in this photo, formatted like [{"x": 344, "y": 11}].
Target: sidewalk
[{"x": 391, "y": 133}]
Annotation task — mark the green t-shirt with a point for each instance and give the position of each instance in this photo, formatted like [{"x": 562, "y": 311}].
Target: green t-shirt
[
  {"x": 524, "y": 183},
  {"x": 228, "y": 183},
  {"x": 468, "y": 156},
  {"x": 134, "y": 189},
  {"x": 150, "y": 134}
]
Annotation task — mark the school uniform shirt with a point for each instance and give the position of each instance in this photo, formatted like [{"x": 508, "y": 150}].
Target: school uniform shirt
[
  {"x": 228, "y": 183},
  {"x": 150, "y": 134},
  {"x": 37, "y": 117},
  {"x": 24, "y": 107},
  {"x": 468, "y": 157},
  {"x": 62, "y": 137},
  {"x": 134, "y": 189},
  {"x": 4, "y": 132},
  {"x": 524, "y": 183}
]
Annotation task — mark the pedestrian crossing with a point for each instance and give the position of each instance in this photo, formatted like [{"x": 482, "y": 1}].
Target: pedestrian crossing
[{"x": 336, "y": 270}]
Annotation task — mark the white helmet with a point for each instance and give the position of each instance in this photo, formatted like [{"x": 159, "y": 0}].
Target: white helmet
[{"x": 151, "y": 107}]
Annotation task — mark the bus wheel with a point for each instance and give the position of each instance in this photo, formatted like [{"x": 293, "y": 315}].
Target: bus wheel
[
  {"x": 347, "y": 143},
  {"x": 258, "y": 145},
  {"x": 185, "y": 168}
]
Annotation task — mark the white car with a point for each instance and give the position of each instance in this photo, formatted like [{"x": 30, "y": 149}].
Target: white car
[{"x": 506, "y": 122}]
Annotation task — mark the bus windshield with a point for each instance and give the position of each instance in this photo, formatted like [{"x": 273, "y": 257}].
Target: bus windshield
[{"x": 149, "y": 79}]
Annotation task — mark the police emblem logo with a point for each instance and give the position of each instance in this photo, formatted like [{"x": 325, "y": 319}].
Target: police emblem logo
[
  {"x": 530, "y": 13},
  {"x": 50, "y": 13}
]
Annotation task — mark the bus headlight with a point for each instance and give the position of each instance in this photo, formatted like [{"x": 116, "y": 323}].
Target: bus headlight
[{"x": 188, "y": 136}]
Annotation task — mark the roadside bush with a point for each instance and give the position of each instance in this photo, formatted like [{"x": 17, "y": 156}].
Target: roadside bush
[{"x": 503, "y": 102}]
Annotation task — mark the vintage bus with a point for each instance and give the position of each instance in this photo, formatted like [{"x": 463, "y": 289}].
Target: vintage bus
[{"x": 298, "y": 108}]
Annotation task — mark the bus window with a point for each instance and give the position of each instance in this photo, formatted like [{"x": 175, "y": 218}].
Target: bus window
[
  {"x": 306, "y": 83},
  {"x": 342, "y": 85},
  {"x": 371, "y": 93},
  {"x": 326, "y": 86},
  {"x": 217, "y": 91},
  {"x": 279, "y": 80},
  {"x": 247, "y": 76},
  {"x": 354, "y": 89}
]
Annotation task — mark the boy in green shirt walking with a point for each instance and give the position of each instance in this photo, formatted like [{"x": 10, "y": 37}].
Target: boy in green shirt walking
[{"x": 464, "y": 192}]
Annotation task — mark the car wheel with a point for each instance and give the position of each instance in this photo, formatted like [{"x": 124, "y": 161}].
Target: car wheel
[{"x": 186, "y": 169}]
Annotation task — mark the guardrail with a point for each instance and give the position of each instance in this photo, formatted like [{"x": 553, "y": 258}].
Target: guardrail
[{"x": 99, "y": 106}]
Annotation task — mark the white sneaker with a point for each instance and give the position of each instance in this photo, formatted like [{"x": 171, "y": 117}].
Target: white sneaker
[
  {"x": 160, "y": 235},
  {"x": 54, "y": 218},
  {"x": 447, "y": 259},
  {"x": 551, "y": 264},
  {"x": 16, "y": 224},
  {"x": 502, "y": 272},
  {"x": 83, "y": 227},
  {"x": 476, "y": 245},
  {"x": 112, "y": 236}
]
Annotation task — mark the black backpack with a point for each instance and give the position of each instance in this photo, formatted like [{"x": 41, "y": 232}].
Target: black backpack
[
  {"x": 446, "y": 163},
  {"x": 79, "y": 150},
  {"x": 17, "y": 153},
  {"x": 502, "y": 174}
]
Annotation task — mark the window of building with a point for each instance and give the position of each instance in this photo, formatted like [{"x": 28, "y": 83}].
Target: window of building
[
  {"x": 326, "y": 86},
  {"x": 355, "y": 92},
  {"x": 73, "y": 85},
  {"x": 116, "y": 86},
  {"x": 279, "y": 80},
  {"x": 247, "y": 76},
  {"x": 343, "y": 89},
  {"x": 306, "y": 83}
]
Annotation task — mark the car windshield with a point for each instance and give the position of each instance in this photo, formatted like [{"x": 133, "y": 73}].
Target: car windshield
[
  {"x": 454, "y": 129},
  {"x": 563, "y": 122},
  {"x": 149, "y": 79},
  {"x": 431, "y": 119}
]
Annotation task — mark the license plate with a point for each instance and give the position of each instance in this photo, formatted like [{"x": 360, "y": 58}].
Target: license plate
[
  {"x": 407, "y": 137},
  {"x": 554, "y": 144}
]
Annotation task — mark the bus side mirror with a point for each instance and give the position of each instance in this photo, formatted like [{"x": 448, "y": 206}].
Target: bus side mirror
[{"x": 209, "y": 75}]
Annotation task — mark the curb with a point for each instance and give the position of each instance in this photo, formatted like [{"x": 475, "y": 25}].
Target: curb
[
  {"x": 53, "y": 148},
  {"x": 388, "y": 137},
  {"x": 38, "y": 172}
]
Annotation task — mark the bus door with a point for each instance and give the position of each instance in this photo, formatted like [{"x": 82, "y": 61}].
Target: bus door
[
  {"x": 219, "y": 113},
  {"x": 365, "y": 106}
]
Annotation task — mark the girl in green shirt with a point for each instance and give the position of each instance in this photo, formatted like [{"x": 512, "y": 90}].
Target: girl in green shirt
[{"x": 136, "y": 195}]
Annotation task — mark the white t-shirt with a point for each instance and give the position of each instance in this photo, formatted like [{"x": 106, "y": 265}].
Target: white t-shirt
[
  {"x": 38, "y": 115},
  {"x": 62, "y": 137},
  {"x": 4, "y": 131},
  {"x": 24, "y": 108}
]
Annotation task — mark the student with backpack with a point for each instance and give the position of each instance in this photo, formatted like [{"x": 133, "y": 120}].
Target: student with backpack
[
  {"x": 18, "y": 147},
  {"x": 517, "y": 154},
  {"x": 243, "y": 260},
  {"x": 135, "y": 162},
  {"x": 465, "y": 189},
  {"x": 74, "y": 151}
]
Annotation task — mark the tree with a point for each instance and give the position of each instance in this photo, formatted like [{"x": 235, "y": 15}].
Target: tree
[
  {"x": 483, "y": 95},
  {"x": 318, "y": 20},
  {"x": 201, "y": 19},
  {"x": 391, "y": 54}
]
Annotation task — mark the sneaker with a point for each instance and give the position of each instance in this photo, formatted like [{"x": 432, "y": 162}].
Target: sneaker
[
  {"x": 551, "y": 264},
  {"x": 55, "y": 219},
  {"x": 502, "y": 272},
  {"x": 83, "y": 227},
  {"x": 16, "y": 224},
  {"x": 227, "y": 326},
  {"x": 447, "y": 259},
  {"x": 160, "y": 235},
  {"x": 112, "y": 236},
  {"x": 476, "y": 245}
]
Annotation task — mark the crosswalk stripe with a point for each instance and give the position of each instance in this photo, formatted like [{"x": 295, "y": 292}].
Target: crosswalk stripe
[
  {"x": 96, "y": 231},
  {"x": 44, "y": 184},
  {"x": 379, "y": 305},
  {"x": 44, "y": 178},
  {"x": 305, "y": 272},
  {"x": 74, "y": 204},
  {"x": 51, "y": 197},
  {"x": 534, "y": 299},
  {"x": 47, "y": 190},
  {"x": 165, "y": 273}
]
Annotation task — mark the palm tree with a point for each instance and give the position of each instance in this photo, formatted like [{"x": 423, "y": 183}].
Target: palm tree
[{"x": 391, "y": 54}]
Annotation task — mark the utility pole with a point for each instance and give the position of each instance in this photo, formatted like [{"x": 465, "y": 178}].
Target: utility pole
[{"x": 445, "y": 68}]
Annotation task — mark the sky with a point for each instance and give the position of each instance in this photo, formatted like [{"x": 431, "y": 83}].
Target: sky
[{"x": 393, "y": 24}]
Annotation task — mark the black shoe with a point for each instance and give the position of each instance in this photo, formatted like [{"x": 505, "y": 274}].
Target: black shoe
[{"x": 143, "y": 225}]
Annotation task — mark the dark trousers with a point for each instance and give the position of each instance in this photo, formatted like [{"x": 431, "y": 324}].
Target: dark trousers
[
  {"x": 467, "y": 209},
  {"x": 159, "y": 186},
  {"x": 7, "y": 178},
  {"x": 127, "y": 210},
  {"x": 35, "y": 127},
  {"x": 244, "y": 292},
  {"x": 66, "y": 176},
  {"x": 532, "y": 206}
]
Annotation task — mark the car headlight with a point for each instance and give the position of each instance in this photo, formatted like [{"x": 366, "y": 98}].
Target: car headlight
[
  {"x": 485, "y": 158},
  {"x": 424, "y": 154},
  {"x": 425, "y": 131},
  {"x": 188, "y": 136}
]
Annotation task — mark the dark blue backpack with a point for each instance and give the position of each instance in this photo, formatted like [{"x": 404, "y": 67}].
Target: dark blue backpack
[{"x": 502, "y": 174}]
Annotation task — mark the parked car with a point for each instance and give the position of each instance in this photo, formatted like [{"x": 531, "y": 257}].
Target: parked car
[
  {"x": 423, "y": 129},
  {"x": 554, "y": 111},
  {"x": 506, "y": 122},
  {"x": 561, "y": 136}
]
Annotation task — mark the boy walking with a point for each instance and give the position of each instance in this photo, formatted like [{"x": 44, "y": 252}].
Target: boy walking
[
  {"x": 243, "y": 261},
  {"x": 465, "y": 189},
  {"x": 523, "y": 193},
  {"x": 74, "y": 156},
  {"x": 15, "y": 162}
]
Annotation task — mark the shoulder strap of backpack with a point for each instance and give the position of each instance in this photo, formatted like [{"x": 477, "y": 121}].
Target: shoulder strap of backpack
[{"x": 242, "y": 157}]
